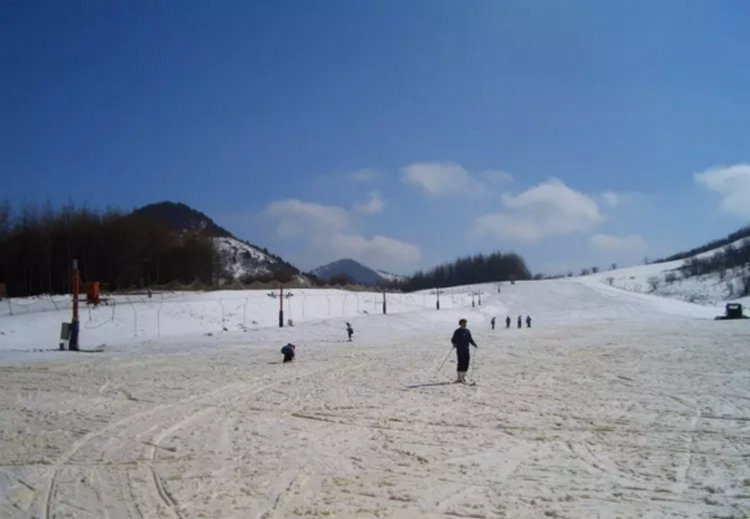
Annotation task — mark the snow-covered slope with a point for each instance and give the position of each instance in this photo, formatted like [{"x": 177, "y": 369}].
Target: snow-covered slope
[
  {"x": 666, "y": 279},
  {"x": 613, "y": 404},
  {"x": 241, "y": 260},
  {"x": 238, "y": 260}
]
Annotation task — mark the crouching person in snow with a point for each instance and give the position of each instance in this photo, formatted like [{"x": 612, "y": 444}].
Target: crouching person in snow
[
  {"x": 461, "y": 340},
  {"x": 288, "y": 352}
]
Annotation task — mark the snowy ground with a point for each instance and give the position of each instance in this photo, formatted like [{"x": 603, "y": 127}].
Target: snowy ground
[{"x": 614, "y": 404}]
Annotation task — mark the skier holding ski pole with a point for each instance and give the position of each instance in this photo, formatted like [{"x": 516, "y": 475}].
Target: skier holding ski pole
[{"x": 461, "y": 340}]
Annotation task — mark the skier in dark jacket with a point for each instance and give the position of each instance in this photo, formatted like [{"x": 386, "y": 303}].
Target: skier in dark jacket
[
  {"x": 507, "y": 321},
  {"x": 349, "y": 331},
  {"x": 461, "y": 340},
  {"x": 492, "y": 322},
  {"x": 288, "y": 352},
  {"x": 528, "y": 321},
  {"x": 520, "y": 325}
]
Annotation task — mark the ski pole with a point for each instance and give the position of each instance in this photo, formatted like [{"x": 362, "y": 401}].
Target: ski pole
[
  {"x": 446, "y": 358},
  {"x": 472, "y": 365}
]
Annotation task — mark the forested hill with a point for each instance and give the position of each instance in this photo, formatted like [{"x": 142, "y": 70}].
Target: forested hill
[
  {"x": 476, "y": 269},
  {"x": 179, "y": 217},
  {"x": 160, "y": 244}
]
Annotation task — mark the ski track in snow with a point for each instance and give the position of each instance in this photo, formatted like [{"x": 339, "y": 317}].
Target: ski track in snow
[{"x": 608, "y": 407}]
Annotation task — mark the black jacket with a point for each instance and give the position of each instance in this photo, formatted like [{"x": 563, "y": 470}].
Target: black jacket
[{"x": 462, "y": 338}]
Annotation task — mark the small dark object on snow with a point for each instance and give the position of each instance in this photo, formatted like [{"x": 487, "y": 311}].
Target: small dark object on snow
[
  {"x": 733, "y": 311},
  {"x": 288, "y": 352}
]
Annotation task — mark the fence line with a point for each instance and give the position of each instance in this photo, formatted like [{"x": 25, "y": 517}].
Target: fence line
[{"x": 166, "y": 313}]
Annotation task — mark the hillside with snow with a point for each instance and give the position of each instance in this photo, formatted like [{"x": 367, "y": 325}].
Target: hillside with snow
[
  {"x": 238, "y": 260},
  {"x": 614, "y": 403},
  {"x": 672, "y": 279},
  {"x": 241, "y": 260}
]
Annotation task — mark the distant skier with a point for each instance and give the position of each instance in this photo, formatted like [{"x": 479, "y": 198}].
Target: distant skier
[
  {"x": 520, "y": 323},
  {"x": 349, "y": 331},
  {"x": 288, "y": 352},
  {"x": 507, "y": 322},
  {"x": 461, "y": 340},
  {"x": 528, "y": 321},
  {"x": 492, "y": 322}
]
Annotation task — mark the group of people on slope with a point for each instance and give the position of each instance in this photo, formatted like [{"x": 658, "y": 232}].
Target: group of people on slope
[
  {"x": 461, "y": 340},
  {"x": 507, "y": 322},
  {"x": 289, "y": 350}
]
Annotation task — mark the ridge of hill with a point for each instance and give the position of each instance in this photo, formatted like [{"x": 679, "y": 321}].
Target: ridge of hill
[
  {"x": 350, "y": 268},
  {"x": 731, "y": 238},
  {"x": 182, "y": 218},
  {"x": 239, "y": 260}
]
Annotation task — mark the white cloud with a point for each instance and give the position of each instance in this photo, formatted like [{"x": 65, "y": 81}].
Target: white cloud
[
  {"x": 496, "y": 177},
  {"x": 549, "y": 209},
  {"x": 612, "y": 198},
  {"x": 320, "y": 233},
  {"x": 295, "y": 217},
  {"x": 376, "y": 252},
  {"x": 364, "y": 175},
  {"x": 438, "y": 178},
  {"x": 607, "y": 243},
  {"x": 373, "y": 205},
  {"x": 733, "y": 184}
]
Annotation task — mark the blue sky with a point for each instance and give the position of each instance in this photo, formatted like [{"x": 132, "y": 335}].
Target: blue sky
[{"x": 403, "y": 134}]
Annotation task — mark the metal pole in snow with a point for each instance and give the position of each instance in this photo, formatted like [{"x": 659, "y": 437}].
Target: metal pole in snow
[{"x": 75, "y": 325}]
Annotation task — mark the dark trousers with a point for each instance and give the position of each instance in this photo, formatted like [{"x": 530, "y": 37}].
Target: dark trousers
[
  {"x": 288, "y": 357},
  {"x": 463, "y": 357}
]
